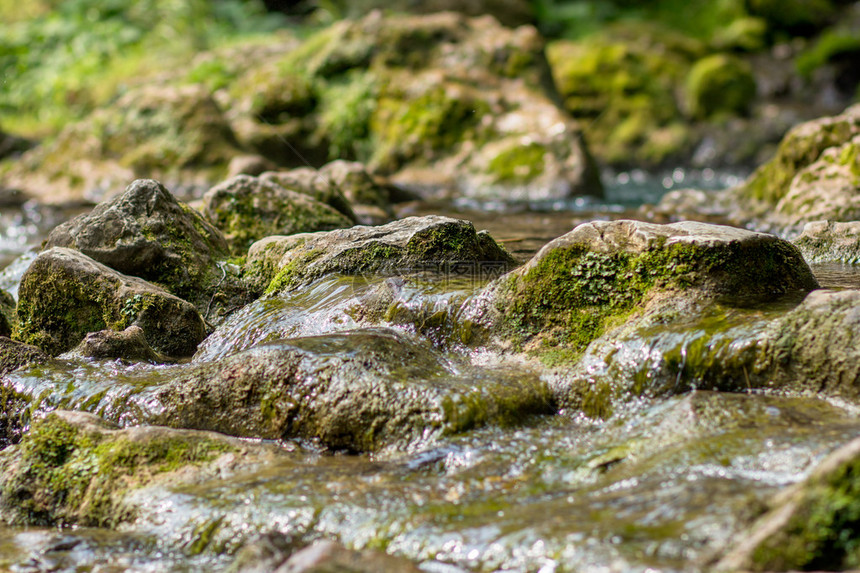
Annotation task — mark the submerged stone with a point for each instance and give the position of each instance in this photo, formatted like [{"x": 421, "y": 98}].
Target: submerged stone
[
  {"x": 248, "y": 209},
  {"x": 364, "y": 390},
  {"x": 603, "y": 274},
  {"x": 414, "y": 244},
  {"x": 64, "y": 295},
  {"x": 73, "y": 468}
]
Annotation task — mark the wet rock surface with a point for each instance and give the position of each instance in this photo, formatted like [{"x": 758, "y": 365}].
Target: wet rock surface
[
  {"x": 64, "y": 295},
  {"x": 829, "y": 241},
  {"x": 129, "y": 344},
  {"x": 432, "y": 243}
]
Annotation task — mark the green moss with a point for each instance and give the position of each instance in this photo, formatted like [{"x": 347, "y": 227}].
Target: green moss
[
  {"x": 417, "y": 128},
  {"x": 291, "y": 272},
  {"x": 719, "y": 85},
  {"x": 346, "y": 107},
  {"x": 70, "y": 475},
  {"x": 824, "y": 533},
  {"x": 519, "y": 164}
]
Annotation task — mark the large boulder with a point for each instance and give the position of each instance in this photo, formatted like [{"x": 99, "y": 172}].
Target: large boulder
[
  {"x": 147, "y": 233},
  {"x": 65, "y": 294},
  {"x": 431, "y": 243},
  {"x": 248, "y": 209},
  {"x": 73, "y": 468},
  {"x": 362, "y": 390},
  {"x": 176, "y": 134},
  {"x": 604, "y": 274},
  {"x": 399, "y": 93}
]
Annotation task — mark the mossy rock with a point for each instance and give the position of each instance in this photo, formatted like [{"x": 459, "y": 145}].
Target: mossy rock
[
  {"x": 603, "y": 274},
  {"x": 147, "y": 233},
  {"x": 830, "y": 241},
  {"x": 176, "y": 134},
  {"x": 810, "y": 526},
  {"x": 8, "y": 318},
  {"x": 719, "y": 85},
  {"x": 802, "y": 146},
  {"x": 246, "y": 209},
  {"x": 14, "y": 355},
  {"x": 72, "y": 468},
  {"x": 433, "y": 243},
  {"x": 64, "y": 295},
  {"x": 364, "y": 390}
]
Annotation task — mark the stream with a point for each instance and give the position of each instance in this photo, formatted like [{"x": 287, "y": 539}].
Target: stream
[{"x": 663, "y": 483}]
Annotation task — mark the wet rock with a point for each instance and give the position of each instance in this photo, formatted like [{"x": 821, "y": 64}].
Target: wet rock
[
  {"x": 129, "y": 344},
  {"x": 431, "y": 243},
  {"x": 73, "y": 468},
  {"x": 14, "y": 355},
  {"x": 827, "y": 241},
  {"x": 147, "y": 233},
  {"x": 398, "y": 93},
  {"x": 247, "y": 209},
  {"x": 364, "y": 390},
  {"x": 175, "y": 134},
  {"x": 810, "y": 526},
  {"x": 7, "y": 313},
  {"x": 64, "y": 295},
  {"x": 604, "y": 274},
  {"x": 324, "y": 556}
]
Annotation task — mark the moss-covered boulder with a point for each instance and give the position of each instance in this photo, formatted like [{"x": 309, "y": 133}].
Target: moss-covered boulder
[
  {"x": 603, "y": 274},
  {"x": 14, "y": 355},
  {"x": 401, "y": 93},
  {"x": 129, "y": 345},
  {"x": 73, "y": 468},
  {"x": 623, "y": 85},
  {"x": 248, "y": 208},
  {"x": 431, "y": 243},
  {"x": 363, "y": 390},
  {"x": 64, "y": 295},
  {"x": 801, "y": 147},
  {"x": 176, "y": 134},
  {"x": 810, "y": 526},
  {"x": 828, "y": 241},
  {"x": 719, "y": 85},
  {"x": 147, "y": 233}
]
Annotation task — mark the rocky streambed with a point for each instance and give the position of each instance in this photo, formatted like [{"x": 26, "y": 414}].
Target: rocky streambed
[{"x": 573, "y": 391}]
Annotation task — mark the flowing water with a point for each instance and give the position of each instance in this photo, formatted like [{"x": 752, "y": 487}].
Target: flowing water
[{"x": 664, "y": 483}]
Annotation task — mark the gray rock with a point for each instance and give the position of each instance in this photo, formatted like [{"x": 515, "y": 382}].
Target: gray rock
[
  {"x": 365, "y": 390},
  {"x": 830, "y": 241},
  {"x": 64, "y": 295},
  {"x": 129, "y": 344},
  {"x": 313, "y": 183},
  {"x": 247, "y": 209},
  {"x": 324, "y": 556},
  {"x": 604, "y": 274},
  {"x": 431, "y": 243},
  {"x": 147, "y": 233}
]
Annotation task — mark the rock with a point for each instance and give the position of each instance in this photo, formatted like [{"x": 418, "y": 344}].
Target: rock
[
  {"x": 324, "y": 556},
  {"x": 431, "y": 243},
  {"x": 175, "y": 134},
  {"x": 73, "y": 468},
  {"x": 829, "y": 241},
  {"x": 7, "y": 313},
  {"x": 64, "y": 295},
  {"x": 14, "y": 355},
  {"x": 810, "y": 526},
  {"x": 357, "y": 185},
  {"x": 603, "y": 274},
  {"x": 510, "y": 13},
  {"x": 129, "y": 344},
  {"x": 248, "y": 209},
  {"x": 313, "y": 183},
  {"x": 398, "y": 93},
  {"x": 361, "y": 391},
  {"x": 801, "y": 147},
  {"x": 253, "y": 165},
  {"x": 147, "y": 233},
  {"x": 719, "y": 85},
  {"x": 11, "y": 145}
]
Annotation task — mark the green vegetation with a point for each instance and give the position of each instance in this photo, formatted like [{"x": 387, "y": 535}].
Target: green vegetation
[
  {"x": 830, "y": 46},
  {"x": 719, "y": 85},
  {"x": 60, "y": 60}
]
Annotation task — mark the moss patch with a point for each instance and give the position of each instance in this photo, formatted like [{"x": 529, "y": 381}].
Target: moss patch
[
  {"x": 70, "y": 474},
  {"x": 719, "y": 85},
  {"x": 519, "y": 164}
]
